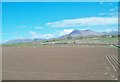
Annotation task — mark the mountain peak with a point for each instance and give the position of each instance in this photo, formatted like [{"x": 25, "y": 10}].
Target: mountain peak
[
  {"x": 87, "y": 30},
  {"x": 75, "y": 30},
  {"x": 74, "y": 33}
]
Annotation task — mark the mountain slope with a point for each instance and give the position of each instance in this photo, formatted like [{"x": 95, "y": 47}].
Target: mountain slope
[
  {"x": 111, "y": 33},
  {"x": 18, "y": 41},
  {"x": 76, "y": 33},
  {"x": 89, "y": 33}
]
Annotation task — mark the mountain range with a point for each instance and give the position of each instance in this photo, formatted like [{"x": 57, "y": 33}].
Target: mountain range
[
  {"x": 22, "y": 41},
  {"x": 74, "y": 33}
]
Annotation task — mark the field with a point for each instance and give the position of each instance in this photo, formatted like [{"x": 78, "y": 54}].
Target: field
[{"x": 60, "y": 62}]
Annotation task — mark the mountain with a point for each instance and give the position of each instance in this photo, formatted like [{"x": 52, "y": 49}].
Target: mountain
[
  {"x": 114, "y": 33},
  {"x": 18, "y": 41},
  {"x": 76, "y": 33},
  {"x": 90, "y": 33},
  {"x": 15, "y": 41}
]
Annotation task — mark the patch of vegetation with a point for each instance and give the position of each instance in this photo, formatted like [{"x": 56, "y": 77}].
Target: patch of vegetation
[{"x": 61, "y": 43}]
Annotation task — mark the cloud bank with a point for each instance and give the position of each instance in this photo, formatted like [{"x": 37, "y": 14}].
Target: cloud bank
[
  {"x": 41, "y": 36},
  {"x": 90, "y": 21}
]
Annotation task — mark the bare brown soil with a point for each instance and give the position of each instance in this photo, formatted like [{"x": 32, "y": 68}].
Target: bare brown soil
[{"x": 58, "y": 63}]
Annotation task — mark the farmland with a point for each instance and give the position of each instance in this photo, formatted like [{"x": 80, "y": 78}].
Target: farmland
[{"x": 60, "y": 62}]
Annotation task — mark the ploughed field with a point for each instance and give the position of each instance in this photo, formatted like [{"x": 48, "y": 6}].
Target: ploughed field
[{"x": 60, "y": 62}]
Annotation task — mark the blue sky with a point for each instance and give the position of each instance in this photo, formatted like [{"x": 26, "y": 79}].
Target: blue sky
[
  {"x": 54, "y": 19},
  {"x": 60, "y": 0}
]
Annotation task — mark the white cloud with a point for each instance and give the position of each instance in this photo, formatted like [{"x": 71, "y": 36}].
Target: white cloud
[
  {"x": 109, "y": 30},
  {"x": 65, "y": 32},
  {"x": 91, "y": 21},
  {"x": 106, "y": 4},
  {"x": 38, "y": 27},
  {"x": 110, "y": 14},
  {"x": 85, "y": 28},
  {"x": 41, "y": 36},
  {"x": 114, "y": 14}
]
